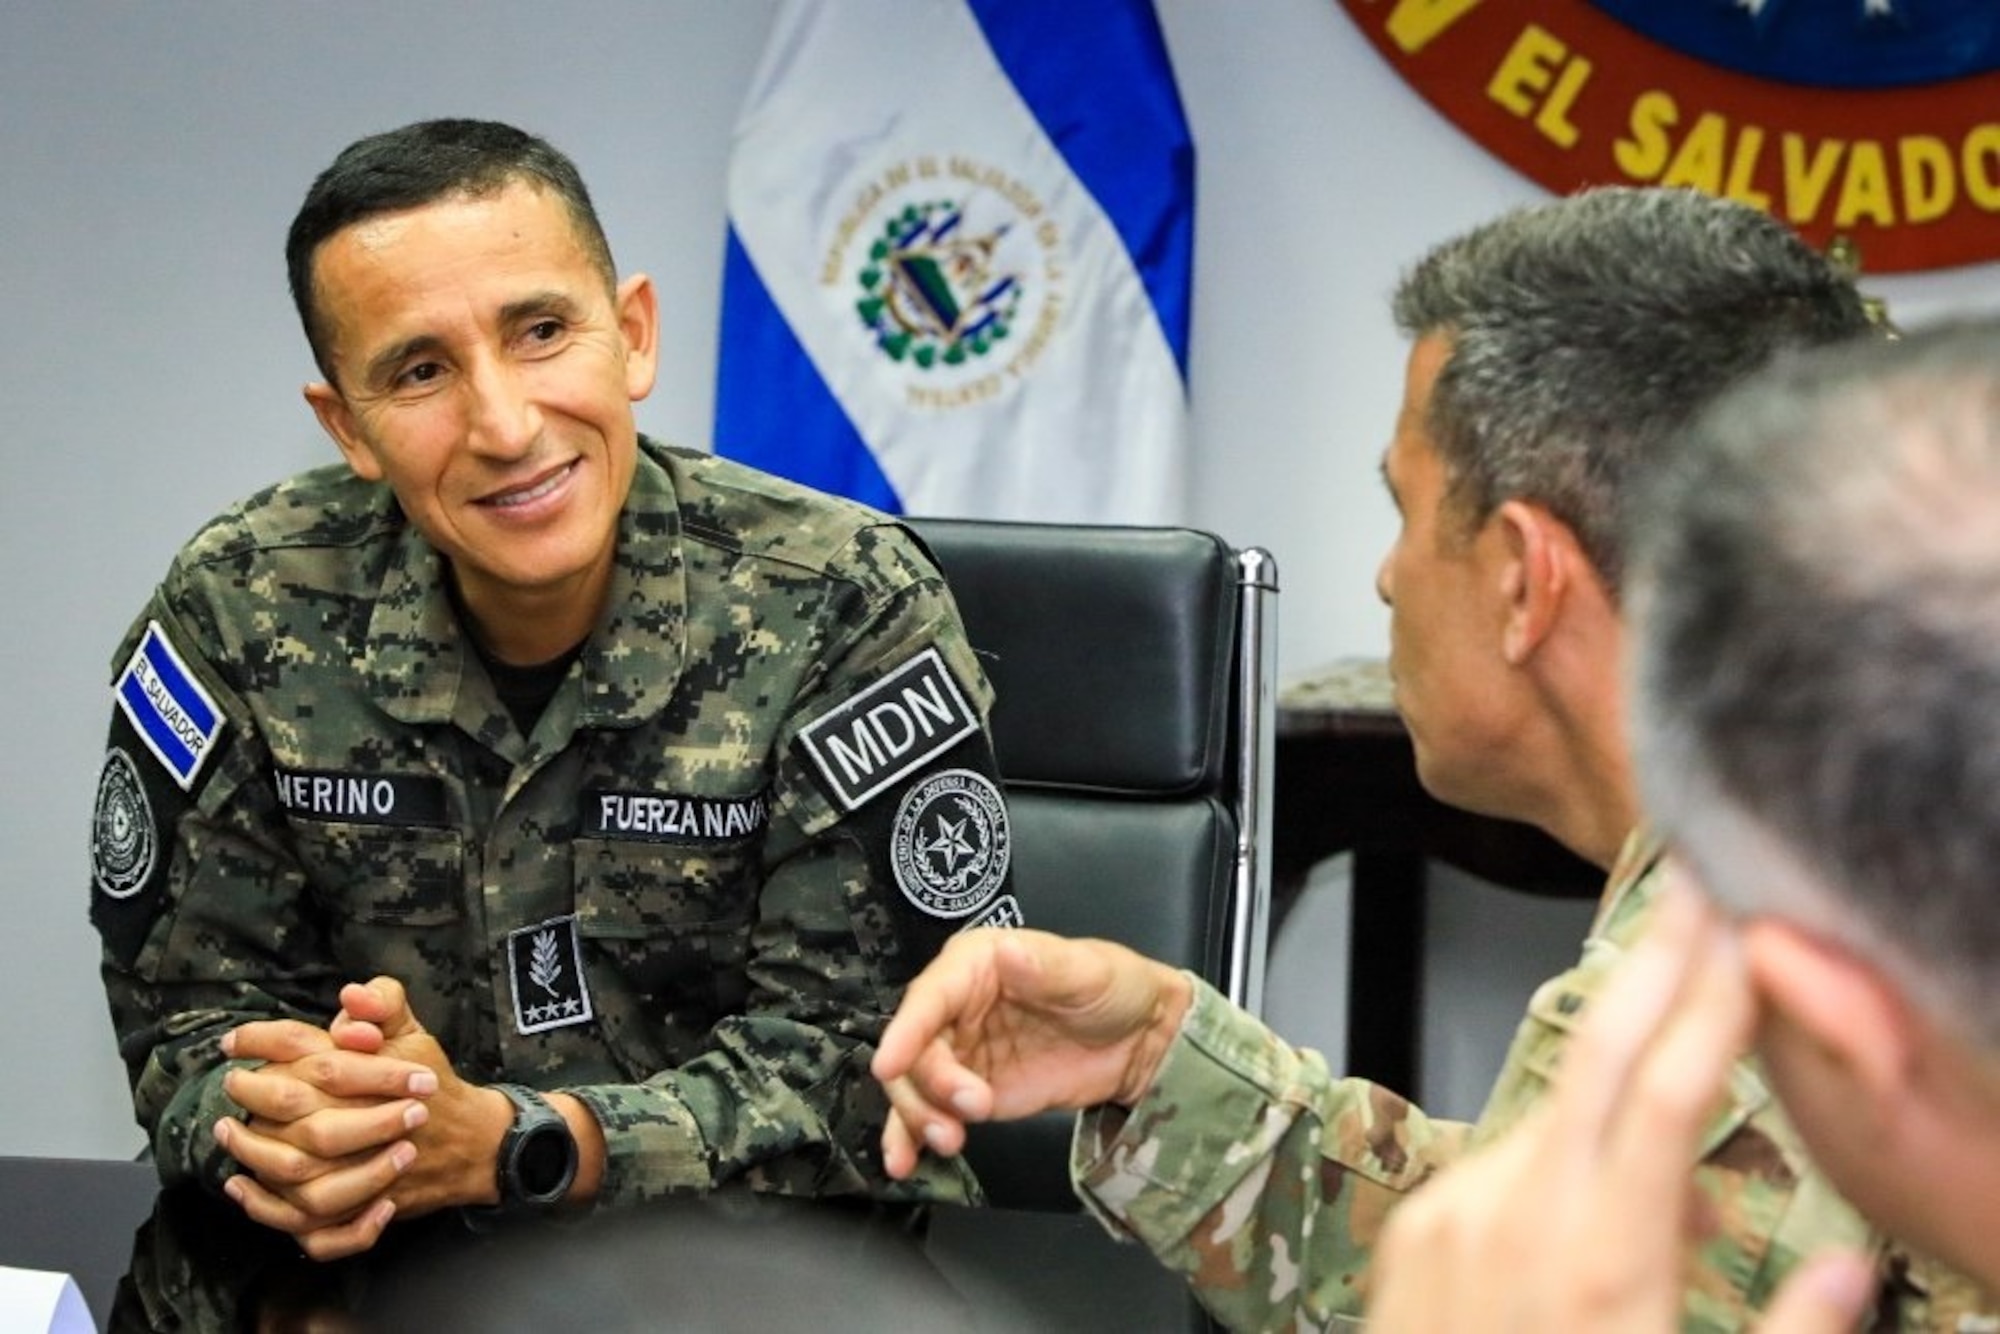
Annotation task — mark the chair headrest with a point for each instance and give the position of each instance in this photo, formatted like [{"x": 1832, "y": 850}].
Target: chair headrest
[{"x": 1110, "y": 648}]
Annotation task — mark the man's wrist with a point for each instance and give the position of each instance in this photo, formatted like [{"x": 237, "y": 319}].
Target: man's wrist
[
  {"x": 590, "y": 1148},
  {"x": 1173, "y": 996},
  {"x": 537, "y": 1159}
]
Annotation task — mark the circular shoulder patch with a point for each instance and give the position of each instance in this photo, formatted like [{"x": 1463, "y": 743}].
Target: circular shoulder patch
[
  {"x": 950, "y": 843},
  {"x": 123, "y": 842}
]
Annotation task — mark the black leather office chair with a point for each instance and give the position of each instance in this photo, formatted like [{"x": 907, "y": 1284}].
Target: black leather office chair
[{"x": 1134, "y": 670}]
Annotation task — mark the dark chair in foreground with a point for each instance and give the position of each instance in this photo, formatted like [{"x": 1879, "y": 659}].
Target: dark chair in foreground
[{"x": 1134, "y": 670}]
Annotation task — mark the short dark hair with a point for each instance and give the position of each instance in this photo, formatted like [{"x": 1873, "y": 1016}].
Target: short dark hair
[
  {"x": 1585, "y": 331},
  {"x": 420, "y": 164},
  {"x": 1817, "y": 600}
]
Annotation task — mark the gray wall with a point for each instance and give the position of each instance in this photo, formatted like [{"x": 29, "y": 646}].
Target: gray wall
[{"x": 152, "y": 157}]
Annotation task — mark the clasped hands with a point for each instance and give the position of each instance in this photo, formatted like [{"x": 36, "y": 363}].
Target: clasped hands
[{"x": 351, "y": 1125}]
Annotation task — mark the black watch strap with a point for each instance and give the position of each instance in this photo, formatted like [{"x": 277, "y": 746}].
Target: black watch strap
[{"x": 537, "y": 1154}]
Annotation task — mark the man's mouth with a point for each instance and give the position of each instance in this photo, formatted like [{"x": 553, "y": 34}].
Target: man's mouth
[{"x": 532, "y": 492}]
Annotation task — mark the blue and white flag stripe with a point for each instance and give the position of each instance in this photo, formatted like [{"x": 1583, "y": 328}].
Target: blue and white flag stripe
[
  {"x": 169, "y": 709},
  {"x": 771, "y": 400},
  {"x": 1117, "y": 157},
  {"x": 957, "y": 272}
]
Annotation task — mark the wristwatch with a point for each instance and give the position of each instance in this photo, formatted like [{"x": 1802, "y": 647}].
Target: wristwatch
[{"x": 537, "y": 1154}]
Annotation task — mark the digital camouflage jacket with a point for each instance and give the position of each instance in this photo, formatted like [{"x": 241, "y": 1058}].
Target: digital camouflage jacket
[{"x": 751, "y": 811}]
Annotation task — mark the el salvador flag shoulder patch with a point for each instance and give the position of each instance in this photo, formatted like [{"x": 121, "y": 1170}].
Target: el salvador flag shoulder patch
[{"x": 165, "y": 703}]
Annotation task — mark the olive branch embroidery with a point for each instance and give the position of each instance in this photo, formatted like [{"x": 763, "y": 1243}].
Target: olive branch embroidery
[{"x": 546, "y": 965}]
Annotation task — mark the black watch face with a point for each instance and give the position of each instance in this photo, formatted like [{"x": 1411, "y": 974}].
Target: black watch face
[{"x": 542, "y": 1166}]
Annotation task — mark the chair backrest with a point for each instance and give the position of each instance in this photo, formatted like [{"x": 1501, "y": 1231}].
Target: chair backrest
[{"x": 1134, "y": 669}]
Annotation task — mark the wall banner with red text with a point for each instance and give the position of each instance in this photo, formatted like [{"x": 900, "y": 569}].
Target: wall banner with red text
[{"x": 1876, "y": 120}]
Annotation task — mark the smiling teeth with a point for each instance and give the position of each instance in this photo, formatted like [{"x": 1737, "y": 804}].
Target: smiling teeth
[{"x": 536, "y": 492}]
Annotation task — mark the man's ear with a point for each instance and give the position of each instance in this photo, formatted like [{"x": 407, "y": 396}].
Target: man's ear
[
  {"x": 1856, "y": 1025},
  {"x": 336, "y": 418},
  {"x": 1539, "y": 553},
  {"x": 638, "y": 305}
]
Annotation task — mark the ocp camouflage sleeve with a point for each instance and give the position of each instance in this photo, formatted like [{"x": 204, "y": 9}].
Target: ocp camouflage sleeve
[
  {"x": 691, "y": 895},
  {"x": 1769, "y": 1208},
  {"x": 1249, "y": 1168}
]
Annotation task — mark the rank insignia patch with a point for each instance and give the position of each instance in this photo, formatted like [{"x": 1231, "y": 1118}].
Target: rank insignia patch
[
  {"x": 951, "y": 843},
  {"x": 547, "y": 973}
]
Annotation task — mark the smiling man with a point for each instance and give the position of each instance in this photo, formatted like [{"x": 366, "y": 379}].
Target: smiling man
[{"x": 503, "y": 818}]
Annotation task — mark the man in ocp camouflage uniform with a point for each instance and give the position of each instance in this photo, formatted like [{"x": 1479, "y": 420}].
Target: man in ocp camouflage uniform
[
  {"x": 1816, "y": 719},
  {"x": 1556, "y": 351},
  {"x": 524, "y": 813}
]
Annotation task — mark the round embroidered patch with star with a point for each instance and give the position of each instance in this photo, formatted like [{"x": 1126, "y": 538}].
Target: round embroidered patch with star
[
  {"x": 950, "y": 843},
  {"x": 123, "y": 842}
]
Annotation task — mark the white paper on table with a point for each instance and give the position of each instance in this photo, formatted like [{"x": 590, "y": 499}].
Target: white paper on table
[{"x": 37, "y": 1299}]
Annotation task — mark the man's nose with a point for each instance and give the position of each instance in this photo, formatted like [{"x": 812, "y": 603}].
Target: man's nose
[{"x": 504, "y": 419}]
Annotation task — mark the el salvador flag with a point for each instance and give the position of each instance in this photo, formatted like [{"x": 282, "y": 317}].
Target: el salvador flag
[{"x": 957, "y": 278}]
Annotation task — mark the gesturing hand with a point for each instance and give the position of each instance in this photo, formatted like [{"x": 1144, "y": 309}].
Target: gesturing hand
[{"x": 1003, "y": 1024}]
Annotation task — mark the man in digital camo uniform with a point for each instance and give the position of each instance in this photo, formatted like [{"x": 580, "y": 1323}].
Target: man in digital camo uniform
[
  {"x": 1556, "y": 350},
  {"x": 524, "y": 813}
]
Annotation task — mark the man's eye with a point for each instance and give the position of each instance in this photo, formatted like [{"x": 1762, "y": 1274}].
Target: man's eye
[
  {"x": 420, "y": 374},
  {"x": 545, "y": 331}
]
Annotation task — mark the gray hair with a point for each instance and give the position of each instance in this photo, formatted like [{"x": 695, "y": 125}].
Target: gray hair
[
  {"x": 1585, "y": 331},
  {"x": 1817, "y": 591}
]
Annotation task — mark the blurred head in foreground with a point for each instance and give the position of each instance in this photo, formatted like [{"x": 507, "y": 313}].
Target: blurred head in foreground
[{"x": 1817, "y": 685}]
